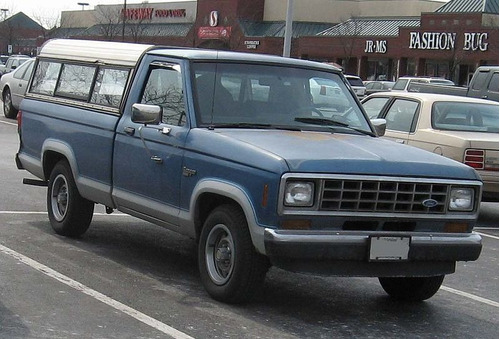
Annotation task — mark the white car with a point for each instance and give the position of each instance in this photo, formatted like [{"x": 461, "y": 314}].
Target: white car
[
  {"x": 404, "y": 82},
  {"x": 13, "y": 86},
  {"x": 357, "y": 85},
  {"x": 328, "y": 94},
  {"x": 461, "y": 128}
]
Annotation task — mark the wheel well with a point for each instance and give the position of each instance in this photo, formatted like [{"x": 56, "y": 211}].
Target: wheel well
[
  {"x": 207, "y": 202},
  {"x": 50, "y": 159},
  {"x": 4, "y": 90}
]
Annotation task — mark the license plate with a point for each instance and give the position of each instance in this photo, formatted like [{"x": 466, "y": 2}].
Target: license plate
[{"x": 389, "y": 248}]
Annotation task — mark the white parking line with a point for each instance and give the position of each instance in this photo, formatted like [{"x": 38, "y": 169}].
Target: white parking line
[
  {"x": 8, "y": 123},
  {"x": 470, "y": 296},
  {"x": 96, "y": 295},
  {"x": 115, "y": 214}
]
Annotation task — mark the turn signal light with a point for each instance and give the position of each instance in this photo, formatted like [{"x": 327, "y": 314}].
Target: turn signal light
[
  {"x": 296, "y": 224},
  {"x": 455, "y": 227}
]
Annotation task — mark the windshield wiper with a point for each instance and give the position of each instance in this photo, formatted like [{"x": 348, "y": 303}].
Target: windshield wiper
[
  {"x": 321, "y": 121},
  {"x": 252, "y": 125},
  {"x": 330, "y": 122}
]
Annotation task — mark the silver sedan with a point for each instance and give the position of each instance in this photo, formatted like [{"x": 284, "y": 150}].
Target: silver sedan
[{"x": 13, "y": 86}]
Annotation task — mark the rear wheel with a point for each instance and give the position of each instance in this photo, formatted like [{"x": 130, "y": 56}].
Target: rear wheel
[
  {"x": 230, "y": 269},
  {"x": 412, "y": 288},
  {"x": 8, "y": 110},
  {"x": 69, "y": 213}
]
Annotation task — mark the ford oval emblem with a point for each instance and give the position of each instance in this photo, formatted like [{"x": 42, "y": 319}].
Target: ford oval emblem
[{"x": 429, "y": 203}]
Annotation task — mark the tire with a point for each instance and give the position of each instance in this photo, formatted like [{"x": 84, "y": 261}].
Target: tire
[
  {"x": 230, "y": 269},
  {"x": 8, "y": 110},
  {"x": 69, "y": 214},
  {"x": 412, "y": 288}
]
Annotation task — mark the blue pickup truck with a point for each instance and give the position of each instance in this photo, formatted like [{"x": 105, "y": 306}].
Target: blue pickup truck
[{"x": 250, "y": 155}]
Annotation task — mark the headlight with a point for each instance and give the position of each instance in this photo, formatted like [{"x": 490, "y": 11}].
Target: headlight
[
  {"x": 462, "y": 199},
  {"x": 299, "y": 194}
]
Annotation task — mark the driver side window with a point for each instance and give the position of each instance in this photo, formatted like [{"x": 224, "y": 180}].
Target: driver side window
[{"x": 164, "y": 88}]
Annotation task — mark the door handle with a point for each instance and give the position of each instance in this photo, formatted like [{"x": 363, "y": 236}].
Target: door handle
[
  {"x": 157, "y": 159},
  {"x": 129, "y": 130},
  {"x": 400, "y": 141}
]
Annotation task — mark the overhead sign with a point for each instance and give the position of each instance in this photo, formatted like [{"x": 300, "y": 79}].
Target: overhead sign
[
  {"x": 447, "y": 41},
  {"x": 149, "y": 13},
  {"x": 252, "y": 44},
  {"x": 208, "y": 32},
  {"x": 214, "y": 18},
  {"x": 377, "y": 46}
]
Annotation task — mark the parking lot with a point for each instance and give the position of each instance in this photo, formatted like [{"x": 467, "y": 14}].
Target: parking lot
[{"x": 126, "y": 278}]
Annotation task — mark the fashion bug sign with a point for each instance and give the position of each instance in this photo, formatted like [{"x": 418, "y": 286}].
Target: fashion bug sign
[{"x": 447, "y": 41}]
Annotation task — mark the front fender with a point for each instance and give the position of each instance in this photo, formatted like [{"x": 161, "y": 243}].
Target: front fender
[{"x": 231, "y": 191}]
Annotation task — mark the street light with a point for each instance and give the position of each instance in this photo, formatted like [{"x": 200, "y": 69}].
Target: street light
[
  {"x": 83, "y": 4},
  {"x": 4, "y": 13}
]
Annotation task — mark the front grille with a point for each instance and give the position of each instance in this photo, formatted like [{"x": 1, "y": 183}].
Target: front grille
[{"x": 382, "y": 196}]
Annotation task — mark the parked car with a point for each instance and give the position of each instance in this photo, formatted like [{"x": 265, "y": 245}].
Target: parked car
[
  {"x": 327, "y": 94},
  {"x": 357, "y": 85},
  {"x": 484, "y": 85},
  {"x": 461, "y": 128},
  {"x": 404, "y": 82},
  {"x": 12, "y": 63},
  {"x": 378, "y": 86},
  {"x": 13, "y": 87}
]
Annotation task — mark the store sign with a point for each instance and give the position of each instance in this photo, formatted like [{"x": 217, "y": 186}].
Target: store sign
[
  {"x": 475, "y": 41},
  {"x": 252, "y": 44},
  {"x": 377, "y": 46},
  {"x": 446, "y": 41},
  {"x": 208, "y": 32},
  {"x": 214, "y": 18},
  {"x": 150, "y": 13}
]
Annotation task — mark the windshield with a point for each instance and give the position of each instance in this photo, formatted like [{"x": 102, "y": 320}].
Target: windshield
[
  {"x": 465, "y": 116},
  {"x": 263, "y": 96}
]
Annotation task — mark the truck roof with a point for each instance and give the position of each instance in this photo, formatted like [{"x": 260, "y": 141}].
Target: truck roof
[{"x": 128, "y": 54}]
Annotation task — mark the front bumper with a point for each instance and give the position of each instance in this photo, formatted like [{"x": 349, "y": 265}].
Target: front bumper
[{"x": 347, "y": 253}]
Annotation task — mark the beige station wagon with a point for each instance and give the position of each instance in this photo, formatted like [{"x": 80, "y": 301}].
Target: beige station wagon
[{"x": 460, "y": 128}]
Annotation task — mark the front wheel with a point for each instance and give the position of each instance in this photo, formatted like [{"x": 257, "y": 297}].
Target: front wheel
[
  {"x": 412, "y": 288},
  {"x": 8, "y": 109},
  {"x": 69, "y": 213},
  {"x": 230, "y": 269}
]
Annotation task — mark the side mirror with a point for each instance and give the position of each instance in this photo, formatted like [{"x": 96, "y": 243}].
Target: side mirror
[
  {"x": 380, "y": 125},
  {"x": 146, "y": 114}
]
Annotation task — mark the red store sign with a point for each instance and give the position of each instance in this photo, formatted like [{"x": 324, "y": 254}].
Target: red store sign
[
  {"x": 208, "y": 32},
  {"x": 149, "y": 13}
]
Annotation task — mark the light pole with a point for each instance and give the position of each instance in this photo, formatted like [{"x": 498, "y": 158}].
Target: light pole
[
  {"x": 4, "y": 13},
  {"x": 287, "y": 43},
  {"x": 83, "y": 4},
  {"x": 124, "y": 16}
]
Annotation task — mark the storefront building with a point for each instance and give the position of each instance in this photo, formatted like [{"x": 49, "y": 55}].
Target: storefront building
[{"x": 377, "y": 40}]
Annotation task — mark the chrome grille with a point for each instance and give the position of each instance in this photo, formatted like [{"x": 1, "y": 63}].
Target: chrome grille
[{"x": 382, "y": 196}]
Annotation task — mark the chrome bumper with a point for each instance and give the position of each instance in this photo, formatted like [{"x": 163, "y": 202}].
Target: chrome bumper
[{"x": 347, "y": 253}]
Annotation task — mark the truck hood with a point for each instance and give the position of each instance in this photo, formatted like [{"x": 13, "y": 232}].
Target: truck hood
[{"x": 320, "y": 152}]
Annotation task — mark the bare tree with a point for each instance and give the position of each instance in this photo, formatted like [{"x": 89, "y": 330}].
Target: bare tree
[
  {"x": 108, "y": 20},
  {"x": 348, "y": 34}
]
